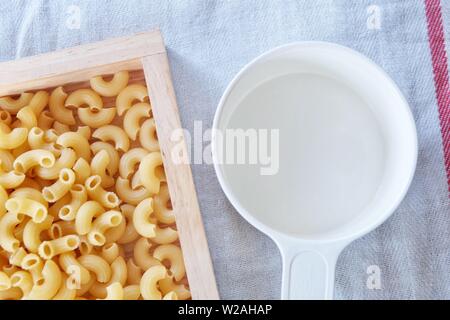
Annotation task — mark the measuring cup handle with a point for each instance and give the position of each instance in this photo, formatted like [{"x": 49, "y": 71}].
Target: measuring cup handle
[{"x": 308, "y": 274}]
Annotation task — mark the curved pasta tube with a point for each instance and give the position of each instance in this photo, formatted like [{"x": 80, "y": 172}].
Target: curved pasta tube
[
  {"x": 85, "y": 246},
  {"x": 65, "y": 160},
  {"x": 50, "y": 135},
  {"x": 118, "y": 274},
  {"x": 136, "y": 181},
  {"x": 133, "y": 118},
  {"x": 34, "y": 209},
  {"x": 17, "y": 256},
  {"x": 18, "y": 231},
  {"x": 134, "y": 272},
  {"x": 141, "y": 218},
  {"x": 65, "y": 292},
  {"x": 132, "y": 292},
  {"x": 3, "y": 198},
  {"x": 72, "y": 267},
  {"x": 11, "y": 179},
  {"x": 95, "y": 191},
  {"x": 147, "y": 172},
  {"x": 133, "y": 197},
  {"x": 60, "y": 229},
  {"x": 5, "y": 281},
  {"x": 5, "y": 128},
  {"x": 114, "y": 292},
  {"x": 6, "y": 160},
  {"x": 129, "y": 160},
  {"x": 167, "y": 285},
  {"x": 115, "y": 233},
  {"x": 62, "y": 186},
  {"x": 115, "y": 134},
  {"x": 96, "y": 118},
  {"x": 105, "y": 221},
  {"x": 37, "y": 140},
  {"x": 85, "y": 131},
  {"x": 5, "y": 117},
  {"x": 84, "y": 97},
  {"x": 57, "y": 107},
  {"x": 60, "y": 128},
  {"x": 39, "y": 102},
  {"x": 33, "y": 158},
  {"x": 34, "y": 265},
  {"x": 148, "y": 137},
  {"x": 9, "y": 269},
  {"x": 29, "y": 193},
  {"x": 110, "y": 88},
  {"x": 130, "y": 94},
  {"x": 50, "y": 284},
  {"x": 130, "y": 234},
  {"x": 173, "y": 254},
  {"x": 163, "y": 207},
  {"x": 23, "y": 281},
  {"x": 114, "y": 158},
  {"x": 11, "y": 294},
  {"x": 14, "y": 105},
  {"x": 53, "y": 210},
  {"x": 52, "y": 248},
  {"x": 172, "y": 295},
  {"x": 78, "y": 195},
  {"x": 142, "y": 255},
  {"x": 165, "y": 235},
  {"x": 84, "y": 288},
  {"x": 27, "y": 118},
  {"x": 82, "y": 170},
  {"x": 149, "y": 282},
  {"x": 86, "y": 213},
  {"x": 32, "y": 233},
  {"x": 13, "y": 139},
  {"x": 99, "y": 165},
  {"x": 77, "y": 142},
  {"x": 110, "y": 252},
  {"x": 45, "y": 120},
  {"x": 96, "y": 265}
]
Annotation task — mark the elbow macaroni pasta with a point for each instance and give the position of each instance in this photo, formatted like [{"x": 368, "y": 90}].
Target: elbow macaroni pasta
[
  {"x": 133, "y": 118},
  {"x": 110, "y": 88},
  {"x": 99, "y": 164},
  {"x": 82, "y": 190},
  {"x": 148, "y": 173},
  {"x": 96, "y": 118},
  {"x": 14, "y": 105},
  {"x": 84, "y": 97},
  {"x": 115, "y": 134},
  {"x": 57, "y": 108},
  {"x": 131, "y": 93},
  {"x": 113, "y": 154}
]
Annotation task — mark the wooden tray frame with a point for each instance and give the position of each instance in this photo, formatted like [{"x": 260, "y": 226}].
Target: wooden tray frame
[{"x": 145, "y": 51}]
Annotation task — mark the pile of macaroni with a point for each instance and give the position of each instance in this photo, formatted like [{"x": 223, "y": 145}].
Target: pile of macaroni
[{"x": 85, "y": 211}]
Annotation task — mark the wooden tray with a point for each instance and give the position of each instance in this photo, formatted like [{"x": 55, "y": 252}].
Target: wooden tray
[{"x": 144, "y": 55}]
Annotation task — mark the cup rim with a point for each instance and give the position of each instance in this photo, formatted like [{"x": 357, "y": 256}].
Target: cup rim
[{"x": 267, "y": 229}]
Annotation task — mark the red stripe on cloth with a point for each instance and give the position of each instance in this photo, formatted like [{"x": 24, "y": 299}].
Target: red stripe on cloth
[{"x": 440, "y": 68}]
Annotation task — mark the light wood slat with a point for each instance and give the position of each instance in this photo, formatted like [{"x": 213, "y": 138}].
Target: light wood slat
[
  {"x": 180, "y": 182},
  {"x": 79, "y": 63}
]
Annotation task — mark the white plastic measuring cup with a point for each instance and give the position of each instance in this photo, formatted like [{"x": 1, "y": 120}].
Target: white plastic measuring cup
[{"x": 345, "y": 157}]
